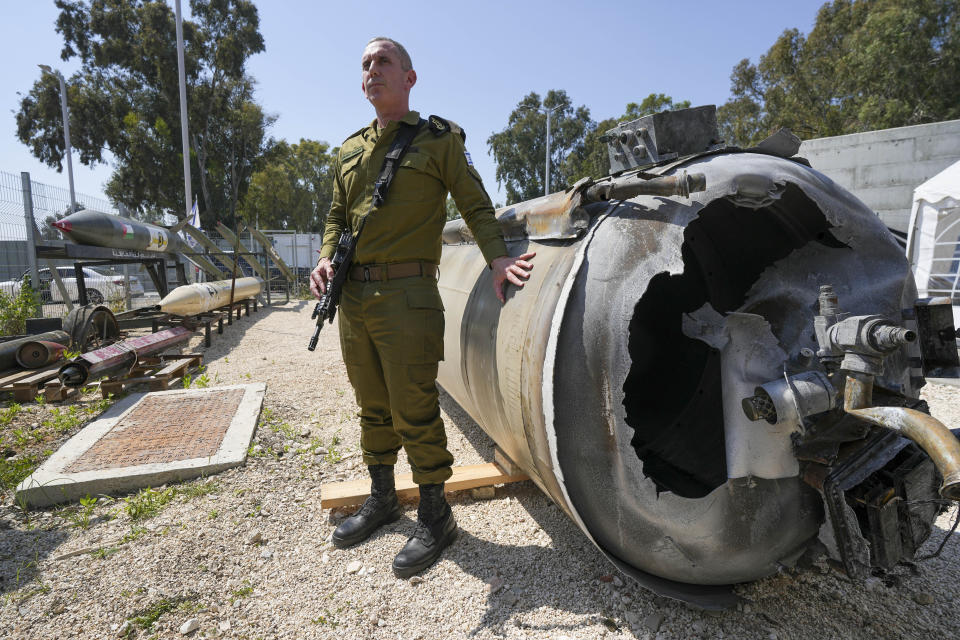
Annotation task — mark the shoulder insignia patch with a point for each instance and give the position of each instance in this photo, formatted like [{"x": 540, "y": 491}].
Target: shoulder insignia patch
[{"x": 438, "y": 125}]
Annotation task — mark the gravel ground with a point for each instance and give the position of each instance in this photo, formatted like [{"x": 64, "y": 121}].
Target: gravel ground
[{"x": 245, "y": 554}]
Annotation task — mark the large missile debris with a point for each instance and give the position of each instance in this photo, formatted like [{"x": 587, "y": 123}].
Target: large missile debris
[{"x": 627, "y": 377}]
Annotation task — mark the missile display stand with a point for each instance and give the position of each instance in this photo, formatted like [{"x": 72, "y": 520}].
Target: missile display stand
[{"x": 155, "y": 264}]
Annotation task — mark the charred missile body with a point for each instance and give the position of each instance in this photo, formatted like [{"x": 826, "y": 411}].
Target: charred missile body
[
  {"x": 625, "y": 376},
  {"x": 107, "y": 230},
  {"x": 190, "y": 299}
]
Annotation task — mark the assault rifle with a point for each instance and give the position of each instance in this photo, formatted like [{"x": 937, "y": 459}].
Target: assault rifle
[{"x": 326, "y": 309}]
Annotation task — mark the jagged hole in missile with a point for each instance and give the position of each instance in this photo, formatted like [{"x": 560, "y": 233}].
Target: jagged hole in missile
[{"x": 672, "y": 395}]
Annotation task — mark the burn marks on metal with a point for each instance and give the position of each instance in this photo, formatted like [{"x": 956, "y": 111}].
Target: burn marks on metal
[{"x": 673, "y": 393}]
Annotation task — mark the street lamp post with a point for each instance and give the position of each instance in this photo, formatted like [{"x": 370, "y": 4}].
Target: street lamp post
[
  {"x": 66, "y": 130},
  {"x": 546, "y": 175}
]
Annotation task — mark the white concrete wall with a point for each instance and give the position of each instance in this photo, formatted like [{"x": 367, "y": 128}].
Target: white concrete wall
[{"x": 882, "y": 168}]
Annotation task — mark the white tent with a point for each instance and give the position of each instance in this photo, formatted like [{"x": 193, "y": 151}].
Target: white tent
[{"x": 933, "y": 242}]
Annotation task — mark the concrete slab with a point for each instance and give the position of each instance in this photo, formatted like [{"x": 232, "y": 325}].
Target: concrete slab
[{"x": 148, "y": 439}]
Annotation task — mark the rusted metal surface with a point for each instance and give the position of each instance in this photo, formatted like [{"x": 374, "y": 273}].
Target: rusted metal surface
[
  {"x": 164, "y": 428},
  {"x": 119, "y": 356},
  {"x": 9, "y": 349},
  {"x": 39, "y": 353},
  {"x": 930, "y": 434}
]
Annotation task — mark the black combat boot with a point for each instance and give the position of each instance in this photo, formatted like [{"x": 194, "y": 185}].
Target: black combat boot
[
  {"x": 379, "y": 509},
  {"x": 436, "y": 529}
]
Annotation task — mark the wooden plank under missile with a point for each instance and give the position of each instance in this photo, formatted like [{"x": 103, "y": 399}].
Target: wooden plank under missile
[
  {"x": 235, "y": 241},
  {"x": 268, "y": 247},
  {"x": 223, "y": 257},
  {"x": 353, "y": 492}
]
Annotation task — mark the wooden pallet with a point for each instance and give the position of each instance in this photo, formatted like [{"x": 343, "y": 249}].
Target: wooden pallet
[
  {"x": 158, "y": 373},
  {"x": 25, "y": 385},
  {"x": 354, "y": 492}
]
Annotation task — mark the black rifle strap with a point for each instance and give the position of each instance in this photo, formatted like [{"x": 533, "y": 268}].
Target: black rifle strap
[{"x": 398, "y": 148}]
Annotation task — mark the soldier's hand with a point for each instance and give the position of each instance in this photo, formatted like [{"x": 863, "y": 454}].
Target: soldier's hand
[
  {"x": 507, "y": 269},
  {"x": 319, "y": 278}
]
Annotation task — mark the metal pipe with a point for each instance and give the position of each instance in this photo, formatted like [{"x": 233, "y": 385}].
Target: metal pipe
[
  {"x": 184, "y": 133},
  {"x": 930, "y": 434},
  {"x": 682, "y": 184}
]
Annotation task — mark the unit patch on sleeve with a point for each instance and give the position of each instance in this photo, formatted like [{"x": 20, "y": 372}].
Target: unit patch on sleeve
[{"x": 469, "y": 159}]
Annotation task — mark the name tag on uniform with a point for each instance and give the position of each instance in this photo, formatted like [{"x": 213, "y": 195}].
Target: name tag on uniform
[{"x": 469, "y": 159}]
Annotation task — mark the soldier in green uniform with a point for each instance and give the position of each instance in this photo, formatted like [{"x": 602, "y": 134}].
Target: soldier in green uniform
[{"x": 391, "y": 315}]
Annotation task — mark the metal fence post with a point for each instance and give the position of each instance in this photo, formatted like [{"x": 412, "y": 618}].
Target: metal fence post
[{"x": 31, "y": 231}]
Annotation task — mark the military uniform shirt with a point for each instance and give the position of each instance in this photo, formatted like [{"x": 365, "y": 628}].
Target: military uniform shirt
[{"x": 408, "y": 226}]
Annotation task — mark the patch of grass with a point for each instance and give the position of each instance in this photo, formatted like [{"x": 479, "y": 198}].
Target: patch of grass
[
  {"x": 7, "y": 415},
  {"x": 333, "y": 455},
  {"x": 198, "y": 489},
  {"x": 134, "y": 533},
  {"x": 213, "y": 514},
  {"x": 272, "y": 421},
  {"x": 81, "y": 516},
  {"x": 14, "y": 470},
  {"x": 145, "y": 618},
  {"x": 326, "y": 619},
  {"x": 147, "y": 502},
  {"x": 242, "y": 592},
  {"x": 105, "y": 552}
]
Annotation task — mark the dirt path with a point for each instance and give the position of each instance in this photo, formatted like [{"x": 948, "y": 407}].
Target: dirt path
[{"x": 245, "y": 553}]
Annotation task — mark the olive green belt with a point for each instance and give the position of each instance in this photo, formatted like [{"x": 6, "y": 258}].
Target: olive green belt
[{"x": 393, "y": 271}]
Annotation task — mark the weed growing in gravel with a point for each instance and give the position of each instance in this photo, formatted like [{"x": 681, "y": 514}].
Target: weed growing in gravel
[
  {"x": 81, "y": 516},
  {"x": 145, "y": 618},
  {"x": 333, "y": 455},
  {"x": 40, "y": 399},
  {"x": 105, "y": 552},
  {"x": 147, "y": 502},
  {"x": 134, "y": 533},
  {"x": 242, "y": 592},
  {"x": 270, "y": 419},
  {"x": 14, "y": 470},
  {"x": 198, "y": 489},
  {"x": 7, "y": 415},
  {"x": 326, "y": 619},
  {"x": 213, "y": 514},
  {"x": 201, "y": 382}
]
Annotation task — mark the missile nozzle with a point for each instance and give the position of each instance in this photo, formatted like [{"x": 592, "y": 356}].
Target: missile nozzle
[{"x": 72, "y": 376}]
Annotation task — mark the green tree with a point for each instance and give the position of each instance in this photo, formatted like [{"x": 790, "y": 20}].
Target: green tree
[
  {"x": 866, "y": 64},
  {"x": 520, "y": 148},
  {"x": 125, "y": 100},
  {"x": 293, "y": 189},
  {"x": 592, "y": 159}
]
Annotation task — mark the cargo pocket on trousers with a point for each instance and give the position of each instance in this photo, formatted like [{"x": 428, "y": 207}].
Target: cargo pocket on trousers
[{"x": 425, "y": 328}]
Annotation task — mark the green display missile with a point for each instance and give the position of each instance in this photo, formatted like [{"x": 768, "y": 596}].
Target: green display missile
[{"x": 106, "y": 230}]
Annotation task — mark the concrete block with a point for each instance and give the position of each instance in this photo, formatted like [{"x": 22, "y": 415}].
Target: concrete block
[{"x": 53, "y": 482}]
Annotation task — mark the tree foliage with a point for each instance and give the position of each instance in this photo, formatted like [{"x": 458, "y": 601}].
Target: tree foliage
[
  {"x": 867, "y": 64},
  {"x": 293, "y": 189},
  {"x": 520, "y": 148},
  {"x": 125, "y": 100}
]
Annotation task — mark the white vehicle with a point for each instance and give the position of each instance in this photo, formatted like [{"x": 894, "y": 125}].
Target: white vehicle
[{"x": 101, "y": 285}]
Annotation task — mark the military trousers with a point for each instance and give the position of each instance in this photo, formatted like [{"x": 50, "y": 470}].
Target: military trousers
[{"x": 391, "y": 335}]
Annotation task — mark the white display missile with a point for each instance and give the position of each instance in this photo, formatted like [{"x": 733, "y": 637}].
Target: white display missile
[{"x": 191, "y": 299}]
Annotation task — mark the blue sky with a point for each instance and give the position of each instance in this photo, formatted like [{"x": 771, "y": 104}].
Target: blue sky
[{"x": 475, "y": 61}]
